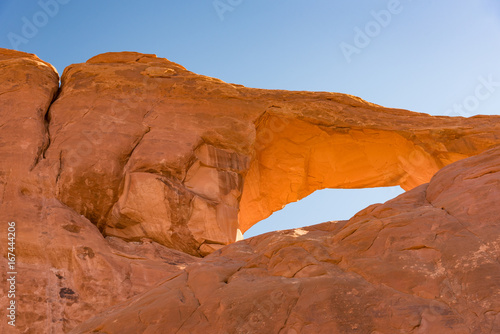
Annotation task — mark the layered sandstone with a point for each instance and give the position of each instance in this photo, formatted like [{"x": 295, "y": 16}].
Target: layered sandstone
[{"x": 134, "y": 168}]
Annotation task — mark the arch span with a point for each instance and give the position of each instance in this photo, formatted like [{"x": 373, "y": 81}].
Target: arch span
[
  {"x": 323, "y": 206},
  {"x": 295, "y": 156},
  {"x": 146, "y": 149}
]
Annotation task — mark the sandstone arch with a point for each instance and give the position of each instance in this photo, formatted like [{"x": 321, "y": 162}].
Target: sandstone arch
[
  {"x": 145, "y": 149},
  {"x": 295, "y": 157},
  {"x": 302, "y": 157},
  {"x": 149, "y": 151}
]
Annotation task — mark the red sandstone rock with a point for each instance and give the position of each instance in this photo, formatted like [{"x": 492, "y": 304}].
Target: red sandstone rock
[
  {"x": 421, "y": 263},
  {"x": 66, "y": 270},
  {"x": 221, "y": 157},
  {"x": 135, "y": 164}
]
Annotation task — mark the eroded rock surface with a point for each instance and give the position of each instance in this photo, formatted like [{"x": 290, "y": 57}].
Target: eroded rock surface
[
  {"x": 66, "y": 270},
  {"x": 425, "y": 262},
  {"x": 135, "y": 168},
  {"x": 205, "y": 160}
]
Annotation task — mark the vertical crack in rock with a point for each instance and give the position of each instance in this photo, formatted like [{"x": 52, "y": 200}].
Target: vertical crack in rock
[
  {"x": 198, "y": 304},
  {"x": 134, "y": 146},
  {"x": 60, "y": 168},
  {"x": 40, "y": 155},
  {"x": 290, "y": 310},
  {"x": 45, "y": 133}
]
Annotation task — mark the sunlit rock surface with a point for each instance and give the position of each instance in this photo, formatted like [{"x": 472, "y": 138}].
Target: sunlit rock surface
[
  {"x": 425, "y": 262},
  {"x": 124, "y": 177}
]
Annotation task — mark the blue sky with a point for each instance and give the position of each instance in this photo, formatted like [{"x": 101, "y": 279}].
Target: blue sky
[{"x": 427, "y": 56}]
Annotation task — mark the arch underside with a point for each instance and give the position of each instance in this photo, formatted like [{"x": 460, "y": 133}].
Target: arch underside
[{"x": 293, "y": 158}]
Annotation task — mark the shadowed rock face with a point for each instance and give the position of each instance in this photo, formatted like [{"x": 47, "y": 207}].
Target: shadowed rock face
[{"x": 135, "y": 168}]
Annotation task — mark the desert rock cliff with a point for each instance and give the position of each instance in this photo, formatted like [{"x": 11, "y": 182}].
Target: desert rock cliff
[{"x": 131, "y": 183}]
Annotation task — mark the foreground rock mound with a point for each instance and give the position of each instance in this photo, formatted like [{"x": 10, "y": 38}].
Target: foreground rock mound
[{"x": 124, "y": 177}]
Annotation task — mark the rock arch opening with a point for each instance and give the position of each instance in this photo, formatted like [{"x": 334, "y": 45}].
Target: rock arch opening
[
  {"x": 321, "y": 206},
  {"x": 296, "y": 156}
]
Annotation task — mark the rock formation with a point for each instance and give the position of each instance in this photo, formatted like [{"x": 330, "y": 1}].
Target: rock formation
[
  {"x": 425, "y": 262},
  {"x": 125, "y": 178}
]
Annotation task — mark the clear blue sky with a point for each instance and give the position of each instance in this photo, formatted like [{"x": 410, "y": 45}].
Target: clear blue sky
[{"x": 439, "y": 57}]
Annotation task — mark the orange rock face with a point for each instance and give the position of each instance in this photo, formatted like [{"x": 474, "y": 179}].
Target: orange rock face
[
  {"x": 123, "y": 178},
  {"x": 425, "y": 262}
]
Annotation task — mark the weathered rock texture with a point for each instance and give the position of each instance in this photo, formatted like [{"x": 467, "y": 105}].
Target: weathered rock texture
[
  {"x": 425, "y": 262},
  {"x": 135, "y": 168}
]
